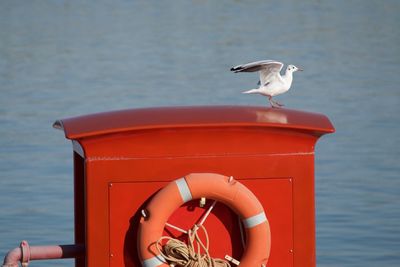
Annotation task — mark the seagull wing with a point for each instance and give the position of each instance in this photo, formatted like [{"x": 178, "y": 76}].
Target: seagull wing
[
  {"x": 270, "y": 71},
  {"x": 258, "y": 65},
  {"x": 267, "y": 68}
]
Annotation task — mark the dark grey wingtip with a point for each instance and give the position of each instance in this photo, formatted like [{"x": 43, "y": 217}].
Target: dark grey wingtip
[{"x": 236, "y": 69}]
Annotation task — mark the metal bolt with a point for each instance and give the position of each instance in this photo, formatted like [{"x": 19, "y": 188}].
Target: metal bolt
[
  {"x": 202, "y": 202},
  {"x": 144, "y": 213}
]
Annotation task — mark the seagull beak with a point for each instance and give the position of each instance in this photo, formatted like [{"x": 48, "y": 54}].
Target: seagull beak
[{"x": 299, "y": 69}]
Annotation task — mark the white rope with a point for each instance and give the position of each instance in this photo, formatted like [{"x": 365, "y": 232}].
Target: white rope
[
  {"x": 176, "y": 228},
  {"x": 180, "y": 254},
  {"x": 203, "y": 219}
]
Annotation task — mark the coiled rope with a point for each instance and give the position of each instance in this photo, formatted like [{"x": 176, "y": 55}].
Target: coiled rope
[{"x": 180, "y": 254}]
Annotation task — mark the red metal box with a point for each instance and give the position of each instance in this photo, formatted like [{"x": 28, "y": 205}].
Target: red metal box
[{"x": 122, "y": 158}]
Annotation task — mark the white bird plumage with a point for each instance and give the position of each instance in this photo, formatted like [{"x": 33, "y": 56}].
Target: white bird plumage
[{"x": 271, "y": 82}]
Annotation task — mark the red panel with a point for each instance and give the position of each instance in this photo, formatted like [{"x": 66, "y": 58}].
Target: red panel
[
  {"x": 151, "y": 171},
  {"x": 126, "y": 199}
]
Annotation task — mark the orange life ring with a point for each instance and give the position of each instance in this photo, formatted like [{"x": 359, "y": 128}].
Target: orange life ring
[{"x": 214, "y": 186}]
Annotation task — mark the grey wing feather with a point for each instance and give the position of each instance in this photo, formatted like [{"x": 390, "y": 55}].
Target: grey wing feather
[{"x": 270, "y": 65}]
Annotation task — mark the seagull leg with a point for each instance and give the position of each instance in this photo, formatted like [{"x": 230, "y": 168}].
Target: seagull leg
[
  {"x": 273, "y": 103},
  {"x": 270, "y": 101},
  {"x": 278, "y": 105}
]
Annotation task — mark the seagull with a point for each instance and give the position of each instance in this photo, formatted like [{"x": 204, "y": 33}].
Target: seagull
[{"x": 271, "y": 82}]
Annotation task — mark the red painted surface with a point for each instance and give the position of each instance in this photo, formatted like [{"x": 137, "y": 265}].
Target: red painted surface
[
  {"x": 177, "y": 117},
  {"x": 129, "y": 155}
]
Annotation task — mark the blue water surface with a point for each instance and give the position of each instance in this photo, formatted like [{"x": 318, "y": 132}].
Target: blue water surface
[{"x": 65, "y": 58}]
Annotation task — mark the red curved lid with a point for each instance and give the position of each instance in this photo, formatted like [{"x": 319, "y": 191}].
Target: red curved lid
[{"x": 189, "y": 117}]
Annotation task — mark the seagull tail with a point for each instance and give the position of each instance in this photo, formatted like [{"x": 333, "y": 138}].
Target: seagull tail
[{"x": 251, "y": 91}]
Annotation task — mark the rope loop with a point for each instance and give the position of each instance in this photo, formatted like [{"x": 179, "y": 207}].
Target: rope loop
[{"x": 180, "y": 254}]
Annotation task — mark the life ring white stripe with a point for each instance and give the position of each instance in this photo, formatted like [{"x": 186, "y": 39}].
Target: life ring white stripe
[
  {"x": 255, "y": 220},
  {"x": 154, "y": 262},
  {"x": 184, "y": 189}
]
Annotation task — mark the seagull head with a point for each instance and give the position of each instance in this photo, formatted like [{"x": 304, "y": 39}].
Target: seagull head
[{"x": 293, "y": 68}]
